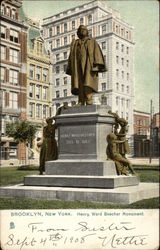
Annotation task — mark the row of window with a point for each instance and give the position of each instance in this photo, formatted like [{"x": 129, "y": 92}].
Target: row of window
[
  {"x": 66, "y": 26},
  {"x": 38, "y": 73},
  {"x": 58, "y": 56},
  {"x": 64, "y": 68},
  {"x": 38, "y": 111},
  {"x": 58, "y": 81},
  {"x": 122, "y": 61},
  {"x": 122, "y": 101},
  {"x": 9, "y": 11},
  {"x": 14, "y": 55},
  {"x": 122, "y": 74},
  {"x": 13, "y": 34},
  {"x": 122, "y": 31},
  {"x": 141, "y": 122},
  {"x": 122, "y": 89},
  {"x": 122, "y": 47},
  {"x": 38, "y": 92},
  {"x": 13, "y": 76},
  {"x": 13, "y": 99},
  {"x": 57, "y": 95}
]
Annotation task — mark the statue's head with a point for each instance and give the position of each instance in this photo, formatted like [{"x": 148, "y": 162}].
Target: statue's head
[
  {"x": 49, "y": 120},
  {"x": 82, "y": 31}
]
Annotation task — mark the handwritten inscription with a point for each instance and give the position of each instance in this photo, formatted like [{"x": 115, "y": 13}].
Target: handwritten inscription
[{"x": 110, "y": 235}]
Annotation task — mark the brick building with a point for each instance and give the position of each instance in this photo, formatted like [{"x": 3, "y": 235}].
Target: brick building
[{"x": 13, "y": 75}]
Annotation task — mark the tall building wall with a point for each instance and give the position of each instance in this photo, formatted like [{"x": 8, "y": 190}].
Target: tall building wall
[{"x": 13, "y": 74}]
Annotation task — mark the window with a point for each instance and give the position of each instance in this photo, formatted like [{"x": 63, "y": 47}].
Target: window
[
  {"x": 57, "y": 82},
  {"x": 103, "y": 29},
  {"x": 127, "y": 89},
  {"x": 117, "y": 72},
  {"x": 117, "y": 45},
  {"x": 65, "y": 40},
  {"x": 90, "y": 32},
  {"x": 45, "y": 75},
  {"x": 127, "y": 63},
  {"x": 57, "y": 69},
  {"x": 122, "y": 61},
  {"x": 127, "y": 35},
  {"x": 117, "y": 100},
  {"x": 122, "y": 73},
  {"x": 127, "y": 76},
  {"x": 104, "y": 100},
  {"x": 3, "y": 125},
  {"x": 13, "y": 100},
  {"x": 31, "y": 109},
  {"x": 38, "y": 73},
  {"x": 117, "y": 59},
  {"x": 38, "y": 110},
  {"x": 58, "y": 42},
  {"x": 104, "y": 58},
  {"x": 13, "y": 36},
  {"x": 73, "y": 25},
  {"x": 57, "y": 57},
  {"x": 2, "y": 75},
  {"x": 127, "y": 103},
  {"x": 44, "y": 93},
  {"x": 103, "y": 45},
  {"x": 103, "y": 86},
  {"x": 31, "y": 90},
  {"x": 117, "y": 86},
  {"x": 81, "y": 20},
  {"x": 127, "y": 50},
  {"x": 3, "y": 52},
  {"x": 3, "y": 32},
  {"x": 31, "y": 71},
  {"x": 3, "y": 96},
  {"x": 65, "y": 80},
  {"x": 122, "y": 48},
  {"x": 65, "y": 27},
  {"x": 64, "y": 67},
  {"x": 45, "y": 111},
  {"x": 58, "y": 30},
  {"x": 8, "y": 11},
  {"x": 14, "y": 55},
  {"x": 50, "y": 32},
  {"x": 122, "y": 86},
  {"x": 57, "y": 105},
  {"x": 65, "y": 92},
  {"x": 39, "y": 48},
  {"x": 122, "y": 32},
  {"x": 13, "y": 77},
  {"x": 65, "y": 55},
  {"x": 73, "y": 37},
  {"x": 38, "y": 91},
  {"x": 117, "y": 29},
  {"x": 57, "y": 94},
  {"x": 122, "y": 114},
  {"x": 14, "y": 14},
  {"x": 2, "y": 9},
  {"x": 89, "y": 19}
]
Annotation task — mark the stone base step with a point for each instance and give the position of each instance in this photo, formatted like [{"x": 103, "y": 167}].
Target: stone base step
[
  {"x": 80, "y": 167},
  {"x": 80, "y": 181},
  {"x": 121, "y": 195}
]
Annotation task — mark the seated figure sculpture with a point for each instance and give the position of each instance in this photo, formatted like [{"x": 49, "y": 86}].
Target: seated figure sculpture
[
  {"x": 48, "y": 144},
  {"x": 120, "y": 161}
]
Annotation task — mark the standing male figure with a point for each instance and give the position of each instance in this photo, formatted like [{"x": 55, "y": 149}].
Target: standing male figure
[{"x": 84, "y": 63}]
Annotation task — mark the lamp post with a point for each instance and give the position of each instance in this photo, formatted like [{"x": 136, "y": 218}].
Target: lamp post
[{"x": 150, "y": 142}]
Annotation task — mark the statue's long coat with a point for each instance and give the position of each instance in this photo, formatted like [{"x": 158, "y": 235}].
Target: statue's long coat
[{"x": 92, "y": 63}]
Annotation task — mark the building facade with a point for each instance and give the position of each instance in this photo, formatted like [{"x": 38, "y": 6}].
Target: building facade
[
  {"x": 115, "y": 37},
  {"x": 39, "y": 73},
  {"x": 13, "y": 75},
  {"x": 141, "y": 134}
]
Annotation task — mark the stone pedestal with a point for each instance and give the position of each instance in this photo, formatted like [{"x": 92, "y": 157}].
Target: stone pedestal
[{"x": 82, "y": 171}]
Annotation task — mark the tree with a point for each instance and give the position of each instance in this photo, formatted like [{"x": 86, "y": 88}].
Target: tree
[{"x": 21, "y": 131}]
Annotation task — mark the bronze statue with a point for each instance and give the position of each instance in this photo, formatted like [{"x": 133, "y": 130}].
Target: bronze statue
[
  {"x": 84, "y": 63},
  {"x": 120, "y": 161},
  {"x": 48, "y": 144}
]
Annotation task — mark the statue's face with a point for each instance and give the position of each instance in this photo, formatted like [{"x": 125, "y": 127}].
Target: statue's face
[{"x": 82, "y": 33}]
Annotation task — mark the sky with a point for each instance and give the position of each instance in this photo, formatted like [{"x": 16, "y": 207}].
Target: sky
[{"x": 143, "y": 15}]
